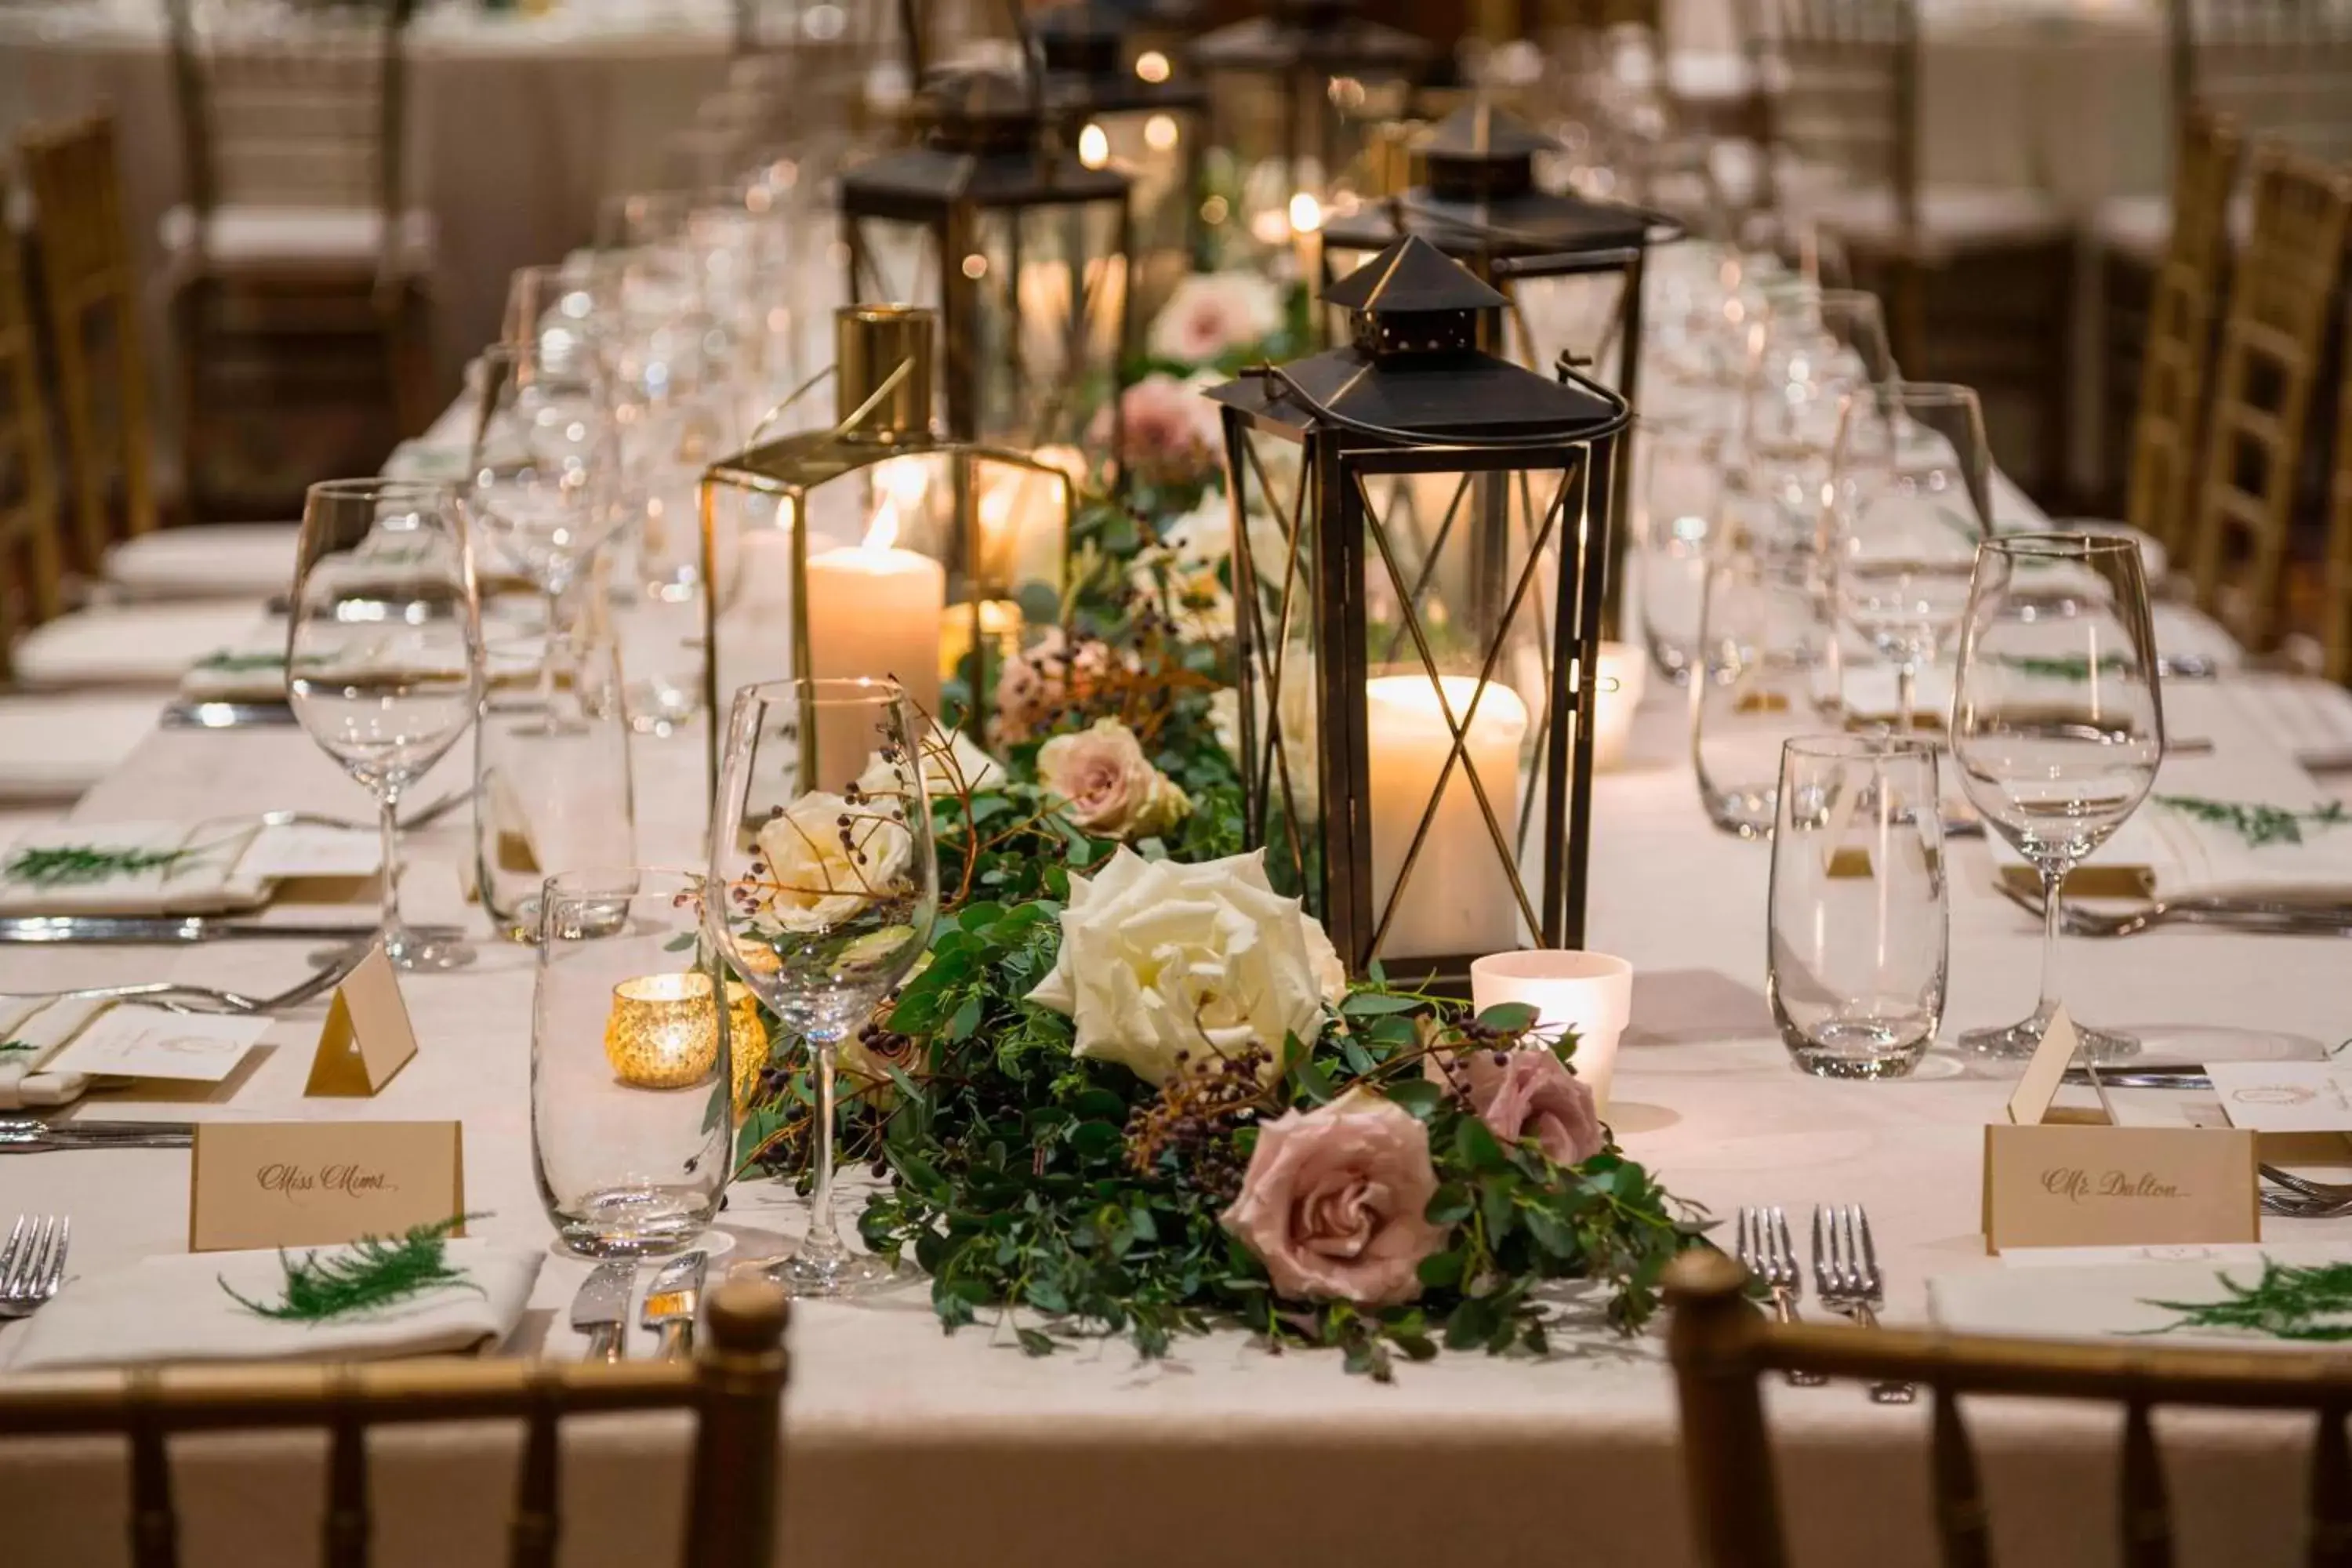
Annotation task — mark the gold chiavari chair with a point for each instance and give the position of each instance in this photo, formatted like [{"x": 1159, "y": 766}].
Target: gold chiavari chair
[
  {"x": 1721, "y": 1346},
  {"x": 91, "y": 292},
  {"x": 2281, "y": 68},
  {"x": 2272, "y": 340},
  {"x": 2188, "y": 286},
  {"x": 735, "y": 1386},
  {"x": 2335, "y": 575},
  {"x": 1992, "y": 266},
  {"x": 32, "y": 568}
]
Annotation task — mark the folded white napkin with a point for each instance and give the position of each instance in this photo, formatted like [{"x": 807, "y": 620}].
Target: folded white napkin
[
  {"x": 175, "y": 1310},
  {"x": 2097, "y": 1293},
  {"x": 250, "y": 669},
  {"x": 31, "y": 1033},
  {"x": 205, "y": 877},
  {"x": 2186, "y": 857}
]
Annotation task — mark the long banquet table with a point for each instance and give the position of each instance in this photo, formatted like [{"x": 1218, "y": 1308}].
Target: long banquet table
[{"x": 909, "y": 1447}]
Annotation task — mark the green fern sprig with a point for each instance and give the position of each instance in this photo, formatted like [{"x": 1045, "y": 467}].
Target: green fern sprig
[
  {"x": 2289, "y": 1302},
  {"x": 373, "y": 1272}
]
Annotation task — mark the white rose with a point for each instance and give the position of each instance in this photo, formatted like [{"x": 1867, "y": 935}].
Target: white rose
[
  {"x": 813, "y": 873},
  {"x": 1160, "y": 957},
  {"x": 1212, "y": 313},
  {"x": 949, "y": 757}
]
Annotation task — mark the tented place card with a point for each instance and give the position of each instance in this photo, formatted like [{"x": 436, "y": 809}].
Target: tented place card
[
  {"x": 154, "y": 1042},
  {"x": 309, "y": 1184},
  {"x": 309, "y": 849},
  {"x": 367, "y": 1037},
  {"x": 2066, "y": 1177}
]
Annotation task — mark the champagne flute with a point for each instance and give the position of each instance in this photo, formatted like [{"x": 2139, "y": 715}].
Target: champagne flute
[
  {"x": 384, "y": 652},
  {"x": 2057, "y": 721},
  {"x": 824, "y": 889},
  {"x": 1911, "y": 496}
]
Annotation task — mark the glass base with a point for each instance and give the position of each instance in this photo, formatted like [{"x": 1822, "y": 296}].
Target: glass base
[
  {"x": 831, "y": 1274},
  {"x": 413, "y": 952},
  {"x": 1859, "y": 1048},
  {"x": 630, "y": 1222},
  {"x": 2021, "y": 1039}
]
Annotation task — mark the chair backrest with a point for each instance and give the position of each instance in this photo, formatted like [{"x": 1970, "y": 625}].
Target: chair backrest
[
  {"x": 90, "y": 289},
  {"x": 2336, "y": 577},
  {"x": 1721, "y": 1345},
  {"x": 2281, "y": 68},
  {"x": 2174, "y": 357},
  {"x": 735, "y": 1386},
  {"x": 32, "y": 568},
  {"x": 292, "y": 106},
  {"x": 2282, "y": 295},
  {"x": 1842, "y": 96}
]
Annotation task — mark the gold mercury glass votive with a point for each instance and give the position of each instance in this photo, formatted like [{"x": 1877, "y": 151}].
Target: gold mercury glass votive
[{"x": 664, "y": 1033}]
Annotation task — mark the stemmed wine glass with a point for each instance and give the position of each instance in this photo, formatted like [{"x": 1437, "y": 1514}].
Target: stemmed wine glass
[
  {"x": 823, "y": 888},
  {"x": 384, "y": 652},
  {"x": 1811, "y": 348},
  {"x": 2057, "y": 721},
  {"x": 543, "y": 471},
  {"x": 1910, "y": 497}
]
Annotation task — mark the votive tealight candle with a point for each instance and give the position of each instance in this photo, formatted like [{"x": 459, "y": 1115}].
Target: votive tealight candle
[
  {"x": 663, "y": 1033},
  {"x": 1623, "y": 668},
  {"x": 1592, "y": 993}
]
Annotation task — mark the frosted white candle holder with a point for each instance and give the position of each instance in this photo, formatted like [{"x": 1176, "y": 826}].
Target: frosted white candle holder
[
  {"x": 1624, "y": 670},
  {"x": 1592, "y": 993}
]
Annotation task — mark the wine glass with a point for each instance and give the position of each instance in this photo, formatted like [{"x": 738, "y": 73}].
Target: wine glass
[
  {"x": 384, "y": 652},
  {"x": 2057, "y": 721},
  {"x": 823, "y": 888},
  {"x": 1910, "y": 497},
  {"x": 543, "y": 471},
  {"x": 1810, "y": 348}
]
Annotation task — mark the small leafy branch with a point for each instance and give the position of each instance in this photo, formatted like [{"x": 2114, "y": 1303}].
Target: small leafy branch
[
  {"x": 2257, "y": 824},
  {"x": 79, "y": 865},
  {"x": 374, "y": 1273},
  {"x": 2289, "y": 1302}
]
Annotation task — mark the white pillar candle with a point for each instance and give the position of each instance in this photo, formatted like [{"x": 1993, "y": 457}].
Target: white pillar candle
[
  {"x": 1624, "y": 671},
  {"x": 1592, "y": 993},
  {"x": 1458, "y": 898},
  {"x": 873, "y": 611}
]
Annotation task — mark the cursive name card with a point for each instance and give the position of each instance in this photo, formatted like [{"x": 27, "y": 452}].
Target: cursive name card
[
  {"x": 316, "y": 1183},
  {"x": 2059, "y": 1176}
]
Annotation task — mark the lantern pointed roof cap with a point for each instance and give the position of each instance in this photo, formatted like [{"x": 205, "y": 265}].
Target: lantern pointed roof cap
[
  {"x": 1482, "y": 130},
  {"x": 1412, "y": 275}
]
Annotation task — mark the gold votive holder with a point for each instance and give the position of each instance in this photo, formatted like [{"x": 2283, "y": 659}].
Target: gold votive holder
[{"x": 664, "y": 1033}]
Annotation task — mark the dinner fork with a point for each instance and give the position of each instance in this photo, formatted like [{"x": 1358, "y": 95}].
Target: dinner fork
[
  {"x": 33, "y": 1264},
  {"x": 1765, "y": 1252},
  {"x": 2279, "y": 919},
  {"x": 1845, "y": 1268},
  {"x": 172, "y": 994}
]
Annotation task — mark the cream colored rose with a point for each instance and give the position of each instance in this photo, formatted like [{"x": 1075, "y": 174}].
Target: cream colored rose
[
  {"x": 1110, "y": 786},
  {"x": 1159, "y": 958},
  {"x": 823, "y": 861},
  {"x": 949, "y": 759}
]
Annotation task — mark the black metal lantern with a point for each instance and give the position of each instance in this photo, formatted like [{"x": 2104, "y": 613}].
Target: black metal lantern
[
  {"x": 1115, "y": 105},
  {"x": 1292, "y": 92},
  {"x": 1570, "y": 269},
  {"x": 1023, "y": 251},
  {"x": 1420, "y": 533}
]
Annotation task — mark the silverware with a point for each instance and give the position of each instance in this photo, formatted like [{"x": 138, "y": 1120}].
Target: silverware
[
  {"x": 227, "y": 716},
  {"x": 423, "y": 817},
  {"x": 1845, "y": 1272},
  {"x": 2232, "y": 914},
  {"x": 601, "y": 1309},
  {"x": 93, "y": 1131},
  {"x": 2187, "y": 667},
  {"x": 180, "y": 929},
  {"x": 33, "y": 1264},
  {"x": 1765, "y": 1251},
  {"x": 671, "y": 1301},
  {"x": 2303, "y": 1198},
  {"x": 177, "y": 996},
  {"x": 2146, "y": 1075}
]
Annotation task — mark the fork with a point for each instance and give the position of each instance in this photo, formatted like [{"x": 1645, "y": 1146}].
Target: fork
[
  {"x": 1765, "y": 1252},
  {"x": 167, "y": 993},
  {"x": 33, "y": 1264},
  {"x": 1845, "y": 1268},
  {"x": 2281, "y": 918}
]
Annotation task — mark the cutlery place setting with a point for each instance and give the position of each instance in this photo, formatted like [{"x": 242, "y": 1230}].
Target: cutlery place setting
[
  {"x": 600, "y": 1308},
  {"x": 1844, "y": 1269}
]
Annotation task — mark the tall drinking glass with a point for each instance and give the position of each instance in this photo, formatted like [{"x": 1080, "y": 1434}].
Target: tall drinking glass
[
  {"x": 1859, "y": 921},
  {"x": 1678, "y": 523},
  {"x": 384, "y": 652},
  {"x": 1767, "y": 670},
  {"x": 2057, "y": 721},
  {"x": 825, "y": 885},
  {"x": 633, "y": 1061},
  {"x": 1911, "y": 495}
]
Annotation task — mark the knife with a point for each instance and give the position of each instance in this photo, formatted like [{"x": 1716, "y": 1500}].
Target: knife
[
  {"x": 671, "y": 1303},
  {"x": 227, "y": 716},
  {"x": 2146, "y": 1075},
  {"x": 600, "y": 1311},
  {"x": 174, "y": 929}
]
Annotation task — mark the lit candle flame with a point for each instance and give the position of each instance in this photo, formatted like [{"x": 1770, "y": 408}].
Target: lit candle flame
[
  {"x": 1306, "y": 213},
  {"x": 1094, "y": 147},
  {"x": 882, "y": 532}
]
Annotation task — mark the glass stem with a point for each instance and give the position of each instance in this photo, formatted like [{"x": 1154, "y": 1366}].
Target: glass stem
[
  {"x": 1907, "y": 696},
  {"x": 824, "y": 1239},
  {"x": 388, "y": 820},
  {"x": 2052, "y": 919},
  {"x": 547, "y": 652}
]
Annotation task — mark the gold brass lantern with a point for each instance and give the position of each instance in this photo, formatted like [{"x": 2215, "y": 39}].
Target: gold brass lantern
[{"x": 879, "y": 545}]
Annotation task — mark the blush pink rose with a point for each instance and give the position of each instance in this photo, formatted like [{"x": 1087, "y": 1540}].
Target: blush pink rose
[
  {"x": 1173, "y": 433},
  {"x": 1111, "y": 787},
  {"x": 1034, "y": 687},
  {"x": 1332, "y": 1202},
  {"x": 1526, "y": 1093}
]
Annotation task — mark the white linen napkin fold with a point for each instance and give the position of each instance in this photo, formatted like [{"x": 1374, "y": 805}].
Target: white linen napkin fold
[
  {"x": 175, "y": 1310},
  {"x": 32, "y": 1031},
  {"x": 2097, "y": 1293},
  {"x": 2187, "y": 857},
  {"x": 204, "y": 880}
]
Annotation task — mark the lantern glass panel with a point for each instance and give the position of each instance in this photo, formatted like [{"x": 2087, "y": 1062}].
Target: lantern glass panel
[
  {"x": 1158, "y": 149},
  {"x": 1050, "y": 289},
  {"x": 1556, "y": 313},
  {"x": 1280, "y": 738},
  {"x": 1460, "y": 593}
]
